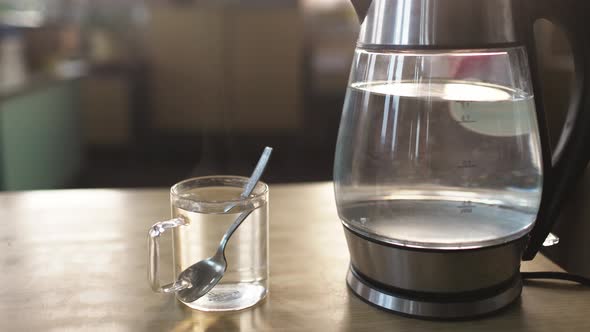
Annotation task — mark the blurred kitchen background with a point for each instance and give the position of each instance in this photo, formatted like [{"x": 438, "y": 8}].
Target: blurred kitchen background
[
  {"x": 136, "y": 93},
  {"x": 142, "y": 93}
]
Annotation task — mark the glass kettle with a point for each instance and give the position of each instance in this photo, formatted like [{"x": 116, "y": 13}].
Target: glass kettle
[{"x": 441, "y": 159}]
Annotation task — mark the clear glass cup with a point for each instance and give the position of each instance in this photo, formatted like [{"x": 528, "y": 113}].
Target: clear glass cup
[{"x": 198, "y": 224}]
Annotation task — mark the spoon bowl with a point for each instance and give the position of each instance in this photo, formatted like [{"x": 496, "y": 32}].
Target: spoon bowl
[
  {"x": 205, "y": 274},
  {"x": 202, "y": 276}
]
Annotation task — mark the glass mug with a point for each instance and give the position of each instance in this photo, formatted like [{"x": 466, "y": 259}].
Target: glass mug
[{"x": 198, "y": 224}]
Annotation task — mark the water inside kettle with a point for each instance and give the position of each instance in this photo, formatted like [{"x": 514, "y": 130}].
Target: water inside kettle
[{"x": 438, "y": 164}]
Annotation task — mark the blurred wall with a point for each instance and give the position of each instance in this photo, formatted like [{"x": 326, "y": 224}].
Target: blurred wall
[{"x": 224, "y": 68}]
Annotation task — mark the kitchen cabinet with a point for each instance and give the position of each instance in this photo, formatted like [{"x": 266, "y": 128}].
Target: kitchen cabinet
[{"x": 40, "y": 135}]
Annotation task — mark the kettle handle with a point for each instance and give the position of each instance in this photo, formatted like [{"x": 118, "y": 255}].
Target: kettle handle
[
  {"x": 361, "y": 7},
  {"x": 571, "y": 154}
]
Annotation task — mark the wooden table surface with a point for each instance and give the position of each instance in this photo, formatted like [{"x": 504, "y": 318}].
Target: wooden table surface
[{"x": 75, "y": 260}]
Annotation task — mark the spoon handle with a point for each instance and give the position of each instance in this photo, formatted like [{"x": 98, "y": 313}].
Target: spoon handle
[
  {"x": 257, "y": 173},
  {"x": 231, "y": 230}
]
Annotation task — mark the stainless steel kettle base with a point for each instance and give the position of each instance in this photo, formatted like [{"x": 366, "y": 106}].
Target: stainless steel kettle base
[{"x": 421, "y": 307}]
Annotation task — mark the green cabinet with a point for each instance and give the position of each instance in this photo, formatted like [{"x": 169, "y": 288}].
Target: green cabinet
[{"x": 40, "y": 140}]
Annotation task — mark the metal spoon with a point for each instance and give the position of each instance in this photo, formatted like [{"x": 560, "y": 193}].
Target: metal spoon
[
  {"x": 256, "y": 174},
  {"x": 202, "y": 276}
]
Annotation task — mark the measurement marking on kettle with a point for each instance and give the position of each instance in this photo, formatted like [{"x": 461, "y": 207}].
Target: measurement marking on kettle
[
  {"x": 466, "y": 164},
  {"x": 466, "y": 118},
  {"x": 466, "y": 207}
]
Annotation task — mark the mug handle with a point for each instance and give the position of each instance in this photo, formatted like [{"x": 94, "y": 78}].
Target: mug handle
[{"x": 154, "y": 256}]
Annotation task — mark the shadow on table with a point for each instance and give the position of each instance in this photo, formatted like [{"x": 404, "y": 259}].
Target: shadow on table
[
  {"x": 556, "y": 285},
  {"x": 244, "y": 320}
]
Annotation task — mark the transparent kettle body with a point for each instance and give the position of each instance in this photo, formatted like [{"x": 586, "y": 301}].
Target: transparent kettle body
[{"x": 439, "y": 149}]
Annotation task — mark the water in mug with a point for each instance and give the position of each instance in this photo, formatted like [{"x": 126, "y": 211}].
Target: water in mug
[
  {"x": 442, "y": 164},
  {"x": 245, "y": 281}
]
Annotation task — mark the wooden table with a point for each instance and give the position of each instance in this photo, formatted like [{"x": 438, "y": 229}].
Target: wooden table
[{"x": 75, "y": 260}]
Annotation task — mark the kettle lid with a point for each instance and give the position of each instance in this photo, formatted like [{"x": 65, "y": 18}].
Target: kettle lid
[{"x": 436, "y": 23}]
